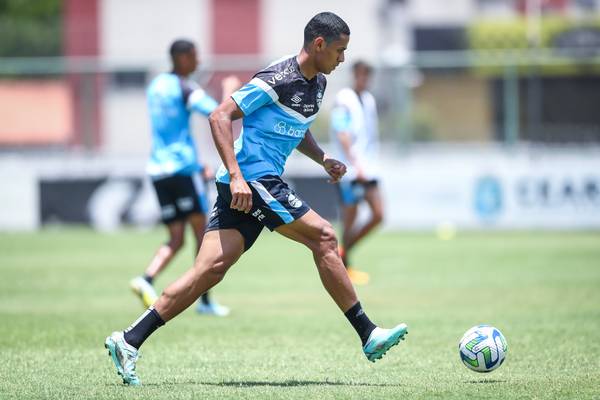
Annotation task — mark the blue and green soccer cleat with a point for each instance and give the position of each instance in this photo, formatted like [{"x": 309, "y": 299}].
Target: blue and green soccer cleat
[
  {"x": 124, "y": 356},
  {"x": 212, "y": 308},
  {"x": 381, "y": 340}
]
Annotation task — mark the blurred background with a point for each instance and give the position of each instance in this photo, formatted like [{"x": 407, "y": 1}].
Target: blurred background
[{"x": 489, "y": 109}]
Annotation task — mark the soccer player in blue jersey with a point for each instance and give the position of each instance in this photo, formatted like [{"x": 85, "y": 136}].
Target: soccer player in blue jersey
[
  {"x": 277, "y": 107},
  {"x": 174, "y": 166}
]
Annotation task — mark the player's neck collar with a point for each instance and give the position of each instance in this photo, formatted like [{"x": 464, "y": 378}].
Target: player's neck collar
[{"x": 297, "y": 63}]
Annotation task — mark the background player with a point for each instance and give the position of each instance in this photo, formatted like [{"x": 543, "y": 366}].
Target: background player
[
  {"x": 175, "y": 168},
  {"x": 354, "y": 128},
  {"x": 277, "y": 105}
]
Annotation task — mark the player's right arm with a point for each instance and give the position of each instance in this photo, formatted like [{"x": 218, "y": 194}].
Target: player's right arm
[
  {"x": 221, "y": 126},
  {"x": 255, "y": 94}
]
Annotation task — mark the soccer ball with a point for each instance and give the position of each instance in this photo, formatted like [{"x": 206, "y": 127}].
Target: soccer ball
[{"x": 482, "y": 348}]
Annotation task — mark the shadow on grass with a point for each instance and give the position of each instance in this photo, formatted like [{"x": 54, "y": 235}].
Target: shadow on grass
[
  {"x": 479, "y": 381},
  {"x": 288, "y": 383}
]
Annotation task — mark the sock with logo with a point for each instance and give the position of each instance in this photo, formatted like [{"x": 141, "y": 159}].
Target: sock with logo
[
  {"x": 143, "y": 327},
  {"x": 361, "y": 323}
]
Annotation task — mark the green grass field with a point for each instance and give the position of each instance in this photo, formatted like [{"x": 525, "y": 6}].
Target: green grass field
[{"x": 63, "y": 291}]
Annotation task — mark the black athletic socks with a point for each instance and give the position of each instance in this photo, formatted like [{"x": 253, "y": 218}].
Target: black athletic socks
[
  {"x": 205, "y": 299},
  {"x": 143, "y": 327},
  {"x": 361, "y": 323},
  {"x": 148, "y": 279}
]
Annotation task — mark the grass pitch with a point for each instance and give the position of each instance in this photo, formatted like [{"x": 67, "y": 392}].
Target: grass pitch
[{"x": 63, "y": 291}]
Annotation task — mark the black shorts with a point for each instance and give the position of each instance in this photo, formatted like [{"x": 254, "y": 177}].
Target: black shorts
[
  {"x": 353, "y": 192},
  {"x": 181, "y": 195},
  {"x": 273, "y": 204}
]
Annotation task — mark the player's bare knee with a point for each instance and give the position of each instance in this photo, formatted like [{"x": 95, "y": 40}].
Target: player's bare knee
[
  {"x": 215, "y": 268},
  {"x": 377, "y": 217},
  {"x": 176, "y": 243},
  {"x": 327, "y": 241}
]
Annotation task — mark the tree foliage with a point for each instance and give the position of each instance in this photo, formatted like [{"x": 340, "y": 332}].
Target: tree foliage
[{"x": 30, "y": 28}]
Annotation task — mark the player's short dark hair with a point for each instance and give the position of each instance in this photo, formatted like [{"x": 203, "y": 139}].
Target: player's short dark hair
[
  {"x": 181, "y": 46},
  {"x": 327, "y": 25},
  {"x": 362, "y": 64}
]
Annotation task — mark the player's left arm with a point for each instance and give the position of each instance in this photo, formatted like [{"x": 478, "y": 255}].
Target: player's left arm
[{"x": 310, "y": 148}]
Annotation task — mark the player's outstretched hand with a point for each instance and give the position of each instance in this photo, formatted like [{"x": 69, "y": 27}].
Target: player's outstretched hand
[
  {"x": 336, "y": 169},
  {"x": 241, "y": 195}
]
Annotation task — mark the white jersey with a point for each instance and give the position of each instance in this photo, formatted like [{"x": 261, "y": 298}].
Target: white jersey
[{"x": 356, "y": 115}]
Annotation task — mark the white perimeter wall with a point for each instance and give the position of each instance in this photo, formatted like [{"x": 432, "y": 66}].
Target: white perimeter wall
[
  {"x": 19, "y": 198},
  {"x": 422, "y": 187}
]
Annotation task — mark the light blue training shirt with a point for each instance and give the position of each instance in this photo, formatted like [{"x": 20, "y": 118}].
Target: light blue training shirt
[
  {"x": 279, "y": 105},
  {"x": 171, "y": 100}
]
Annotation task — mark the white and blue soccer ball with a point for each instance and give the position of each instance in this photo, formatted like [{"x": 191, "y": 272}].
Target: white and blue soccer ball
[{"x": 482, "y": 348}]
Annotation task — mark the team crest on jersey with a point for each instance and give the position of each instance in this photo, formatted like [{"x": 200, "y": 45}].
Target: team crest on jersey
[
  {"x": 294, "y": 201},
  {"x": 319, "y": 98}
]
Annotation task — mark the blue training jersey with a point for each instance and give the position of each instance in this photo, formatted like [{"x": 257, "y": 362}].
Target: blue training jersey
[
  {"x": 279, "y": 105},
  {"x": 171, "y": 99}
]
